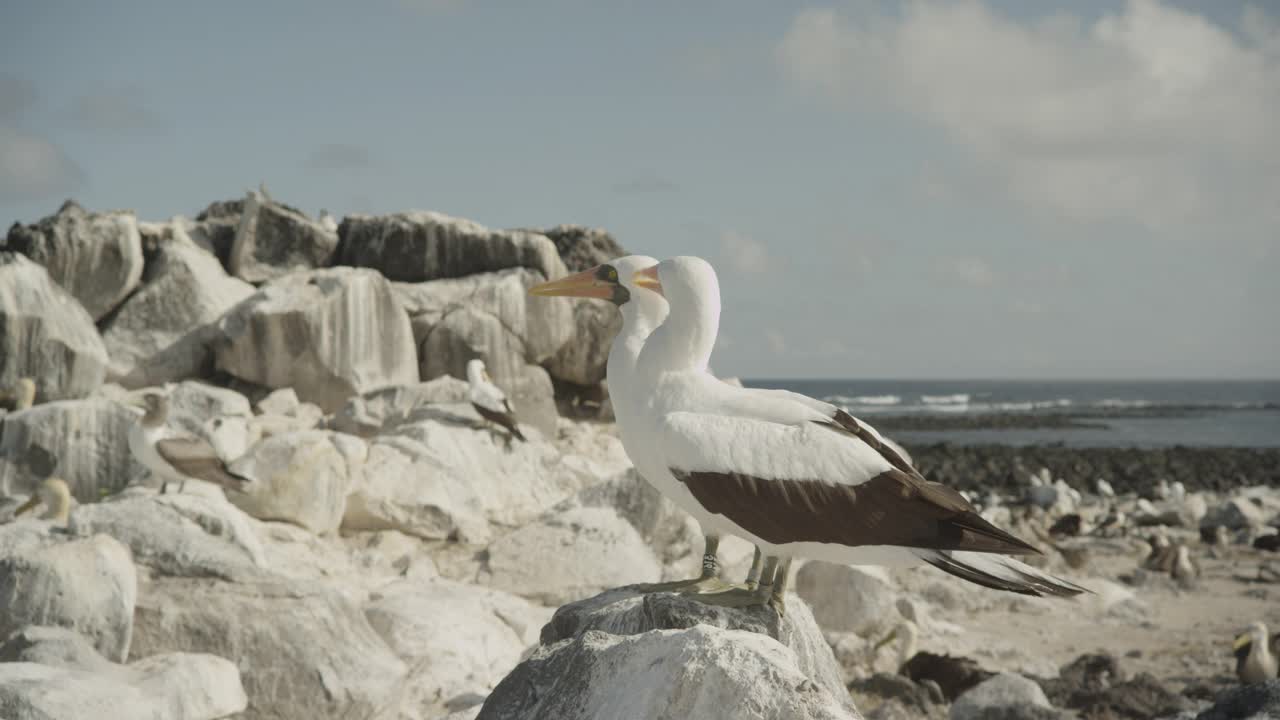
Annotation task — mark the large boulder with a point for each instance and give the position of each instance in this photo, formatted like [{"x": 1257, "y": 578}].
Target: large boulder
[
  {"x": 187, "y": 534},
  {"x": 328, "y": 334},
  {"x": 661, "y": 655},
  {"x": 489, "y": 316},
  {"x": 569, "y": 555},
  {"x": 1259, "y": 700},
  {"x": 85, "y": 441},
  {"x": 419, "y": 246},
  {"x": 97, "y": 257},
  {"x": 86, "y": 584},
  {"x": 1002, "y": 695},
  {"x": 1235, "y": 514},
  {"x": 303, "y": 650},
  {"x": 848, "y": 599},
  {"x": 45, "y": 334},
  {"x": 372, "y": 413},
  {"x": 215, "y": 228},
  {"x": 274, "y": 240},
  {"x": 301, "y": 477},
  {"x": 54, "y": 673},
  {"x": 581, "y": 247},
  {"x": 167, "y": 330},
  {"x": 458, "y": 639}
]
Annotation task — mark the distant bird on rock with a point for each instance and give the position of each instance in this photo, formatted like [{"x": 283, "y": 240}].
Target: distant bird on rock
[
  {"x": 174, "y": 456},
  {"x": 489, "y": 400},
  {"x": 1256, "y": 652}
]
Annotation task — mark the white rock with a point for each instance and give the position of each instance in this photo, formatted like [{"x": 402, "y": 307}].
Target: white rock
[
  {"x": 279, "y": 402},
  {"x": 1234, "y": 514},
  {"x": 303, "y": 650},
  {"x": 570, "y": 555},
  {"x": 85, "y": 584},
  {"x": 848, "y": 599},
  {"x": 97, "y": 257},
  {"x": 458, "y": 639},
  {"x": 180, "y": 534},
  {"x": 328, "y": 334},
  {"x": 701, "y": 672},
  {"x": 166, "y": 331},
  {"x": 39, "y": 681},
  {"x": 46, "y": 334},
  {"x": 418, "y": 246},
  {"x": 998, "y": 694},
  {"x": 87, "y": 441},
  {"x": 274, "y": 240},
  {"x": 301, "y": 478},
  {"x": 373, "y": 412}
]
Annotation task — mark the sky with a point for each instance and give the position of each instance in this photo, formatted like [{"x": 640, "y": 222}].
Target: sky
[{"x": 921, "y": 190}]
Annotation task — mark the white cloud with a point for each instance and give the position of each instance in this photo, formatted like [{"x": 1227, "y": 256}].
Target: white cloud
[
  {"x": 33, "y": 168},
  {"x": 1153, "y": 114},
  {"x": 743, "y": 254}
]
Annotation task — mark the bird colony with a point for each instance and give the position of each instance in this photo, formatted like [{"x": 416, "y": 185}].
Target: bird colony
[{"x": 261, "y": 465}]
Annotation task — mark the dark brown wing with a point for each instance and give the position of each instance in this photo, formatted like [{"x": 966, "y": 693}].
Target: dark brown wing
[
  {"x": 506, "y": 420},
  {"x": 893, "y": 508},
  {"x": 847, "y": 423},
  {"x": 196, "y": 458}
]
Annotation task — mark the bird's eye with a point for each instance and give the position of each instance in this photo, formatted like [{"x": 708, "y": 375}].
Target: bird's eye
[{"x": 613, "y": 274}]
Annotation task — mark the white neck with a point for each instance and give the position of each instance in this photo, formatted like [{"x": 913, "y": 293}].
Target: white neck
[{"x": 686, "y": 339}]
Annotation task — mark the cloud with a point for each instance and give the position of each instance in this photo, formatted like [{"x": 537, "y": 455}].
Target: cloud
[
  {"x": 119, "y": 112},
  {"x": 1153, "y": 114},
  {"x": 744, "y": 255},
  {"x": 972, "y": 271},
  {"x": 32, "y": 168},
  {"x": 16, "y": 95},
  {"x": 339, "y": 156},
  {"x": 644, "y": 185}
]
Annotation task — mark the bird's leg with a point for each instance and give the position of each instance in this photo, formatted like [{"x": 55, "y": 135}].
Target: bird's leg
[
  {"x": 742, "y": 597},
  {"x": 753, "y": 575},
  {"x": 707, "y": 581},
  {"x": 780, "y": 582},
  {"x": 164, "y": 487}
]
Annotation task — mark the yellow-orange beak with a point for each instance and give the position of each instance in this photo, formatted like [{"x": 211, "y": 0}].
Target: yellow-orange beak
[
  {"x": 31, "y": 502},
  {"x": 583, "y": 284},
  {"x": 1241, "y": 641},
  {"x": 648, "y": 279}
]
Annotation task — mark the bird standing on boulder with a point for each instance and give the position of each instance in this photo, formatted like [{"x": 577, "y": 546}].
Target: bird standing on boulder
[
  {"x": 56, "y": 497},
  {"x": 1256, "y": 655},
  {"x": 489, "y": 400},
  {"x": 173, "y": 456}
]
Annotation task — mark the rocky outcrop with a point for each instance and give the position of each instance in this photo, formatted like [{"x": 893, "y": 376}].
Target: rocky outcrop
[
  {"x": 45, "y": 334},
  {"x": 304, "y": 650},
  {"x": 85, "y": 584},
  {"x": 84, "y": 441},
  {"x": 55, "y": 673},
  {"x": 167, "y": 330},
  {"x": 374, "y": 412},
  {"x": 1259, "y": 700},
  {"x": 328, "y": 334},
  {"x": 661, "y": 655},
  {"x": 420, "y": 621},
  {"x": 274, "y": 240},
  {"x": 96, "y": 257},
  {"x": 583, "y": 247},
  {"x": 1005, "y": 695},
  {"x": 420, "y": 246},
  {"x": 300, "y": 477}
]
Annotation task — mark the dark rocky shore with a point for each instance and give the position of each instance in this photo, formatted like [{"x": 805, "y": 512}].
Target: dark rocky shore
[
  {"x": 1091, "y": 418},
  {"x": 1005, "y": 468}
]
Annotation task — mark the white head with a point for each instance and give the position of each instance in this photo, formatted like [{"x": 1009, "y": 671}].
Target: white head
[
  {"x": 692, "y": 290},
  {"x": 476, "y": 372},
  {"x": 1256, "y": 634},
  {"x": 55, "y": 495}
]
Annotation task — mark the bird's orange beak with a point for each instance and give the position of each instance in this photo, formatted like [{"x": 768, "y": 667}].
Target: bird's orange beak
[
  {"x": 584, "y": 284},
  {"x": 648, "y": 279},
  {"x": 31, "y": 502}
]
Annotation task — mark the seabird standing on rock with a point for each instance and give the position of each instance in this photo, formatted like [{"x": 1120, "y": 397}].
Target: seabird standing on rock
[
  {"x": 1256, "y": 655},
  {"x": 489, "y": 400},
  {"x": 56, "y": 497},
  {"x": 793, "y": 477},
  {"x": 173, "y": 456}
]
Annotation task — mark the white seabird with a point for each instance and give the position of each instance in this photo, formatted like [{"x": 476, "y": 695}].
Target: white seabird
[
  {"x": 792, "y": 477},
  {"x": 56, "y": 497},
  {"x": 175, "y": 456},
  {"x": 489, "y": 400},
  {"x": 1256, "y": 655}
]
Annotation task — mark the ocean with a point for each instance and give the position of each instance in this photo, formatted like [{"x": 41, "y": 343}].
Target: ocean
[{"x": 1128, "y": 413}]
